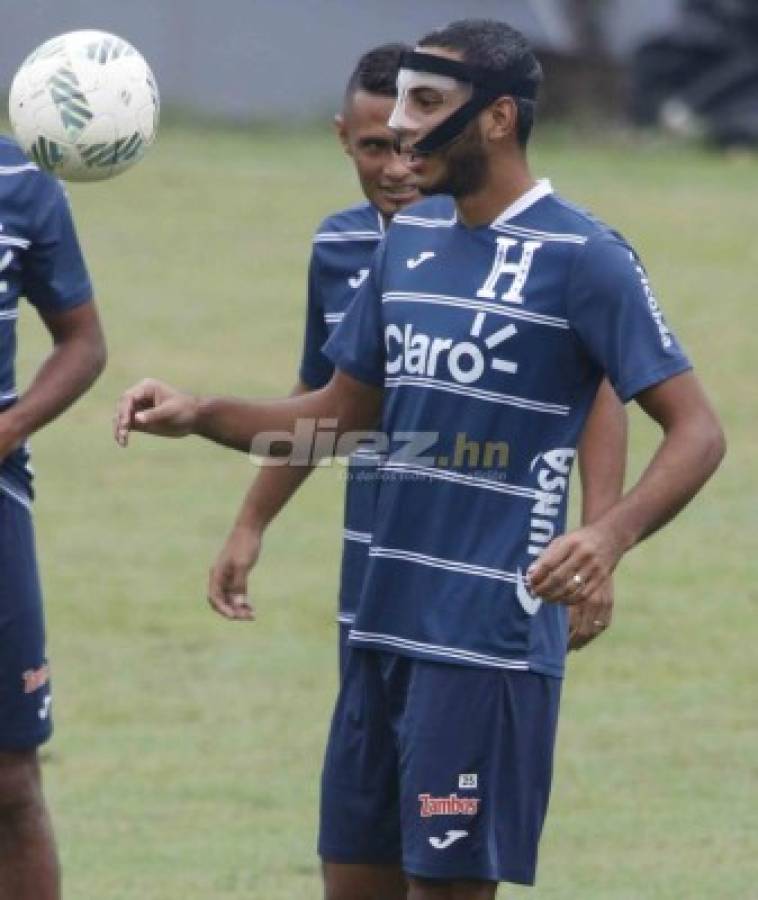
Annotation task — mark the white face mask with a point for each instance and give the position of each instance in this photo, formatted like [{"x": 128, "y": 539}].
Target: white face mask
[{"x": 410, "y": 79}]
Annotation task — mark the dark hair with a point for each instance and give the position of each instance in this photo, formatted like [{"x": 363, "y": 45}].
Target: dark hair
[
  {"x": 376, "y": 71},
  {"x": 494, "y": 45}
]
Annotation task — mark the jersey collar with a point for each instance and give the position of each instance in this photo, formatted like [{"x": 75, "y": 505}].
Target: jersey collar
[{"x": 542, "y": 189}]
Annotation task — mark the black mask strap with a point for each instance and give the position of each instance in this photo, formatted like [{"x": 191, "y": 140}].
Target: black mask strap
[{"x": 487, "y": 85}]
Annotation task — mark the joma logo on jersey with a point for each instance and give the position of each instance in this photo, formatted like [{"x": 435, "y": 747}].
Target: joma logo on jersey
[
  {"x": 517, "y": 268},
  {"x": 416, "y": 353},
  {"x": 452, "y": 805}
]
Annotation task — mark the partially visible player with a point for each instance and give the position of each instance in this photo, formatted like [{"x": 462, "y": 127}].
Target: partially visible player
[
  {"x": 41, "y": 260},
  {"x": 343, "y": 247}
]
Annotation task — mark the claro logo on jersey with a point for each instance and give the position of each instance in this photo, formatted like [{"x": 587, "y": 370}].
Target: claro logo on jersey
[
  {"x": 552, "y": 473},
  {"x": 412, "y": 352},
  {"x": 452, "y": 805}
]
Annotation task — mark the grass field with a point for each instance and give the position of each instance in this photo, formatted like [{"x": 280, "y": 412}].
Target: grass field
[{"x": 187, "y": 753}]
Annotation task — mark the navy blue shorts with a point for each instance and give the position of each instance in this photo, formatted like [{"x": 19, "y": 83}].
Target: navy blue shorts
[
  {"x": 442, "y": 769},
  {"x": 25, "y": 715}
]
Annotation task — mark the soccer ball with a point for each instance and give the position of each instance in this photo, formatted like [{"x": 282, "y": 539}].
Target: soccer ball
[{"x": 84, "y": 106}]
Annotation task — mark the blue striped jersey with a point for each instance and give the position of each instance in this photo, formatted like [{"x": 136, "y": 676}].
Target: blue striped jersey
[
  {"x": 343, "y": 247},
  {"x": 40, "y": 259},
  {"x": 490, "y": 344}
]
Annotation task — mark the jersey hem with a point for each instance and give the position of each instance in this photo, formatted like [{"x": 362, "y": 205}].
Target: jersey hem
[
  {"x": 423, "y": 650},
  {"x": 657, "y": 376},
  {"x": 63, "y": 304},
  {"x": 313, "y": 380},
  {"x": 357, "y": 372}
]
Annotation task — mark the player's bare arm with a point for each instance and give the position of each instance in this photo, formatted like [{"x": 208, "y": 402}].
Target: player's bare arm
[
  {"x": 692, "y": 448},
  {"x": 77, "y": 358},
  {"x": 268, "y": 494},
  {"x": 602, "y": 466},
  {"x": 153, "y": 407}
]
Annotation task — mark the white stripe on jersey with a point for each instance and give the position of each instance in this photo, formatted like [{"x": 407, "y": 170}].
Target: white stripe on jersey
[
  {"x": 9, "y": 315},
  {"x": 346, "y": 618},
  {"x": 545, "y": 236},
  {"x": 421, "y": 222},
  {"x": 326, "y": 237},
  {"x": 500, "y": 309},
  {"x": 333, "y": 318},
  {"x": 555, "y": 409},
  {"x": 7, "y": 240},
  {"x": 455, "y": 653},
  {"x": 436, "y": 562},
  {"x": 8, "y": 395},
  {"x": 10, "y": 491},
  {"x": 15, "y": 170},
  {"x": 360, "y": 537},
  {"x": 476, "y": 481}
]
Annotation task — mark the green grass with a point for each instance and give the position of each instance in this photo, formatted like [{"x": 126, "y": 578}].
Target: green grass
[{"x": 187, "y": 752}]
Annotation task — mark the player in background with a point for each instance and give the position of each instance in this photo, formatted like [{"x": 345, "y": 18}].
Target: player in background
[
  {"x": 343, "y": 248},
  {"x": 500, "y": 322},
  {"x": 41, "y": 260}
]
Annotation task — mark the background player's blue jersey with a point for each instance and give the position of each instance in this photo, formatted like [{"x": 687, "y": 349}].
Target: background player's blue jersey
[
  {"x": 39, "y": 259},
  {"x": 343, "y": 248},
  {"x": 493, "y": 341}
]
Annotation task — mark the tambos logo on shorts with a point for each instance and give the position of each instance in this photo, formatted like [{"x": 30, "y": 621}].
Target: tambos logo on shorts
[{"x": 452, "y": 805}]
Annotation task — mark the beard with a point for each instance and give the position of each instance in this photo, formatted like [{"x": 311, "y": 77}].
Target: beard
[{"x": 464, "y": 165}]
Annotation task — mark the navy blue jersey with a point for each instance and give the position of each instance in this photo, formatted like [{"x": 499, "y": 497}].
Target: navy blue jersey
[
  {"x": 39, "y": 259},
  {"x": 490, "y": 344},
  {"x": 343, "y": 248}
]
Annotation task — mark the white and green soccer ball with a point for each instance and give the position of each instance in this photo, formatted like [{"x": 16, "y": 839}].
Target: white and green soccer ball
[{"x": 84, "y": 106}]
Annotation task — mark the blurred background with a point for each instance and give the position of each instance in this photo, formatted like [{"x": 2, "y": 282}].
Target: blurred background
[{"x": 690, "y": 65}]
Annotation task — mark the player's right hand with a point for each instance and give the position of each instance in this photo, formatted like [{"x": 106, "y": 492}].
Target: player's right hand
[
  {"x": 227, "y": 582},
  {"x": 154, "y": 408}
]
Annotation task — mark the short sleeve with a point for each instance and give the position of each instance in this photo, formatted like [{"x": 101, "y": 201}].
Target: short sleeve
[
  {"x": 55, "y": 276},
  {"x": 357, "y": 345},
  {"x": 613, "y": 310},
  {"x": 316, "y": 369}
]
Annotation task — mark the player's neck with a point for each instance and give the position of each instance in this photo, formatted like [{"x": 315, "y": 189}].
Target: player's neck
[{"x": 506, "y": 182}]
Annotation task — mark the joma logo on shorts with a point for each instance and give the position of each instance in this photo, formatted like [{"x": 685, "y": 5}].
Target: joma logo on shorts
[
  {"x": 452, "y": 805},
  {"x": 34, "y": 679}
]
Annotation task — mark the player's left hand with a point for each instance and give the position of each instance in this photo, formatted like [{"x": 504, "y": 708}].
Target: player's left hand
[
  {"x": 591, "y": 618},
  {"x": 575, "y": 565}
]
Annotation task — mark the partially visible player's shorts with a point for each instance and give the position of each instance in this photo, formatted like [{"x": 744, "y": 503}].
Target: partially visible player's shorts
[
  {"x": 442, "y": 769},
  {"x": 25, "y": 715}
]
